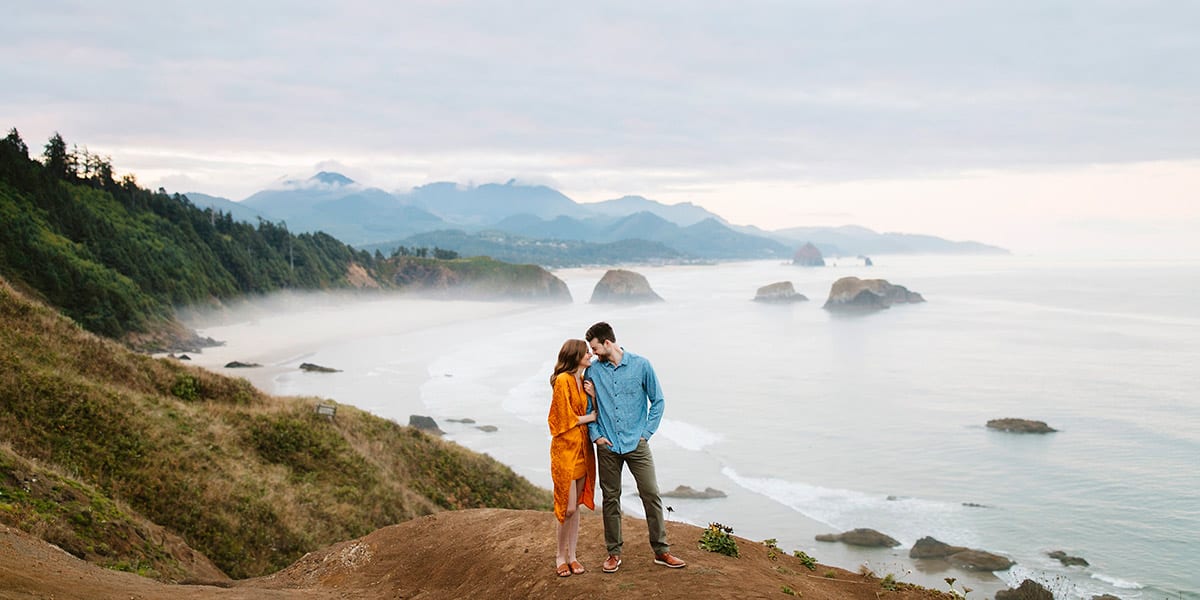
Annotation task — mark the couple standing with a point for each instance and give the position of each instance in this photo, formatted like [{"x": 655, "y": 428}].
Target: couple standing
[{"x": 616, "y": 403}]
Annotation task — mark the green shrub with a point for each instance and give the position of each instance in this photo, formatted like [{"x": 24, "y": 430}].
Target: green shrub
[
  {"x": 186, "y": 388},
  {"x": 806, "y": 560},
  {"x": 717, "y": 539}
]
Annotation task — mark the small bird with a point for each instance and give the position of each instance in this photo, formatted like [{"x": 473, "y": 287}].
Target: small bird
[{"x": 670, "y": 510}]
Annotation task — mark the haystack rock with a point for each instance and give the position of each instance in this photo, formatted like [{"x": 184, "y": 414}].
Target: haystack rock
[
  {"x": 619, "y": 286},
  {"x": 966, "y": 558},
  {"x": 861, "y": 537},
  {"x": 808, "y": 256},
  {"x": 1020, "y": 426},
  {"x": 852, "y": 293},
  {"x": 780, "y": 292}
]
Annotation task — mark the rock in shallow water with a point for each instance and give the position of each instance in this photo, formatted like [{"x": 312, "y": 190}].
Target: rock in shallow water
[
  {"x": 1020, "y": 426},
  {"x": 861, "y": 537}
]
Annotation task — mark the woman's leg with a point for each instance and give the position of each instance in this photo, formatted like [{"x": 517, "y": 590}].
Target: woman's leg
[
  {"x": 573, "y": 503},
  {"x": 563, "y": 531}
]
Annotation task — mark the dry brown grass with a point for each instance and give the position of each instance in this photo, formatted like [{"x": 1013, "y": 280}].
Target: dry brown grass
[{"x": 252, "y": 481}]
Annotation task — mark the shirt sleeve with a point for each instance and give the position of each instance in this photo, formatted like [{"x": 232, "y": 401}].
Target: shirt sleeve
[
  {"x": 561, "y": 418},
  {"x": 657, "y": 402},
  {"x": 593, "y": 428}
]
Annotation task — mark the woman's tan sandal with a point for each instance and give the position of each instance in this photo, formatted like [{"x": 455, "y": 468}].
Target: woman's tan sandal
[{"x": 563, "y": 570}]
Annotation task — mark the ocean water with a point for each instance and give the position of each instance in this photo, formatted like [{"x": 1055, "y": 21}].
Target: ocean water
[{"x": 814, "y": 423}]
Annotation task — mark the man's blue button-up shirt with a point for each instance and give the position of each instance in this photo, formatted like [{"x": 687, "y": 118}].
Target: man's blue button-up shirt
[{"x": 629, "y": 399}]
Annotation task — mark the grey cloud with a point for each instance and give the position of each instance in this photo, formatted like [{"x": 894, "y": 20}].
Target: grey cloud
[{"x": 813, "y": 89}]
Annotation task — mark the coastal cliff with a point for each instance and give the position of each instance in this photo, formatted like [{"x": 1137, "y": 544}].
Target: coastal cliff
[{"x": 478, "y": 277}]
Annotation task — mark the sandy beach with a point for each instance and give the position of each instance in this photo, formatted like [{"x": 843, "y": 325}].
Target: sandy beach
[{"x": 281, "y": 332}]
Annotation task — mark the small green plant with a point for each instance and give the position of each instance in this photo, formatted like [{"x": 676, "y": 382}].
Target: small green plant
[
  {"x": 830, "y": 574},
  {"x": 789, "y": 591},
  {"x": 889, "y": 583},
  {"x": 772, "y": 548},
  {"x": 806, "y": 560},
  {"x": 717, "y": 539}
]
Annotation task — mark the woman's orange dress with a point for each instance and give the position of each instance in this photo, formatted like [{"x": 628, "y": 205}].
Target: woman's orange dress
[{"x": 571, "y": 453}]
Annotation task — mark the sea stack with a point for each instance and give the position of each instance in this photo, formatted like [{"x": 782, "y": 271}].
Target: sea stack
[
  {"x": 808, "y": 256},
  {"x": 781, "y": 292},
  {"x": 852, "y": 293},
  {"x": 619, "y": 286}
]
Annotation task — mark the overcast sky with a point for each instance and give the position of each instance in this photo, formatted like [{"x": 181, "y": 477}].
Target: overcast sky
[{"x": 1047, "y": 127}]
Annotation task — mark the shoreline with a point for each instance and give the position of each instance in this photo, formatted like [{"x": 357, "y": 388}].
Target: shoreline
[{"x": 258, "y": 340}]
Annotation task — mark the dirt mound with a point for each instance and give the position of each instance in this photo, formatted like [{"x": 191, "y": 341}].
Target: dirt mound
[{"x": 484, "y": 553}]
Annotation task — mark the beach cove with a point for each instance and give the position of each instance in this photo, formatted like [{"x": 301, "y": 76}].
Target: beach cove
[{"x": 814, "y": 423}]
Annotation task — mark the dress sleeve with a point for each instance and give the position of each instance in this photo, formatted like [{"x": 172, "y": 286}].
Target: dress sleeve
[{"x": 561, "y": 418}]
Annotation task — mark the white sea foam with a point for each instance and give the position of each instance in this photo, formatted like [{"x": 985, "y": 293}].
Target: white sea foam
[
  {"x": 906, "y": 519},
  {"x": 687, "y": 435},
  {"x": 529, "y": 400},
  {"x": 1123, "y": 584}
]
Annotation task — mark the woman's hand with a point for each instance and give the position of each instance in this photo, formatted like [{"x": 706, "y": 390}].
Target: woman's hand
[
  {"x": 588, "y": 418},
  {"x": 588, "y": 388}
]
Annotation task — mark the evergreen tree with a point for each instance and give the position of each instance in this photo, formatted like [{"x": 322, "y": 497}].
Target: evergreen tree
[{"x": 56, "y": 159}]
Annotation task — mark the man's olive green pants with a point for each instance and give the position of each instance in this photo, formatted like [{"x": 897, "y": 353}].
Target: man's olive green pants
[{"x": 641, "y": 465}]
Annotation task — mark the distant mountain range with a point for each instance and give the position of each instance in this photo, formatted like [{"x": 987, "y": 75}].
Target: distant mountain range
[{"x": 512, "y": 220}]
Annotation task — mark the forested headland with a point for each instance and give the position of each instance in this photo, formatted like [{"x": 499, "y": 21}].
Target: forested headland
[{"x": 119, "y": 259}]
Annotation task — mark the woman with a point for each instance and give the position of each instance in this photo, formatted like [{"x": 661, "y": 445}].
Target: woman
[{"x": 572, "y": 460}]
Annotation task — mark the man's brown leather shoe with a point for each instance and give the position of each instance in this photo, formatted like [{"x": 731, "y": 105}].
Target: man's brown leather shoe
[
  {"x": 667, "y": 560},
  {"x": 611, "y": 564}
]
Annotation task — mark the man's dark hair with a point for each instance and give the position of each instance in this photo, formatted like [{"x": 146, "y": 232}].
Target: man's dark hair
[{"x": 600, "y": 331}]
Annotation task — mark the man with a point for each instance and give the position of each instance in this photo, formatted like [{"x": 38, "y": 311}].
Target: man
[{"x": 630, "y": 404}]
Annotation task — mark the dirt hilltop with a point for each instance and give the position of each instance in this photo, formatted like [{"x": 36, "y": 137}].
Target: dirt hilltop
[{"x": 480, "y": 553}]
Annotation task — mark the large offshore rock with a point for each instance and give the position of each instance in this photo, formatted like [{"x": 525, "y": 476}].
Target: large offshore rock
[
  {"x": 966, "y": 558},
  {"x": 852, "y": 293},
  {"x": 780, "y": 292},
  {"x": 619, "y": 286}
]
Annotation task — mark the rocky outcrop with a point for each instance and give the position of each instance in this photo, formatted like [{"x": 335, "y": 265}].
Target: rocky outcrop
[
  {"x": 1028, "y": 590},
  {"x": 1020, "y": 426},
  {"x": 866, "y": 260},
  {"x": 358, "y": 277},
  {"x": 1105, "y": 597},
  {"x": 808, "y": 256},
  {"x": 424, "y": 424},
  {"x": 240, "y": 365},
  {"x": 861, "y": 537},
  {"x": 684, "y": 491},
  {"x": 966, "y": 558},
  {"x": 311, "y": 368},
  {"x": 852, "y": 293},
  {"x": 781, "y": 292},
  {"x": 478, "y": 278},
  {"x": 619, "y": 286},
  {"x": 487, "y": 428},
  {"x": 1067, "y": 560}
]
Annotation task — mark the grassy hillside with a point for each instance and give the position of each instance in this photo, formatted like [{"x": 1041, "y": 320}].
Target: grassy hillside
[{"x": 251, "y": 481}]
